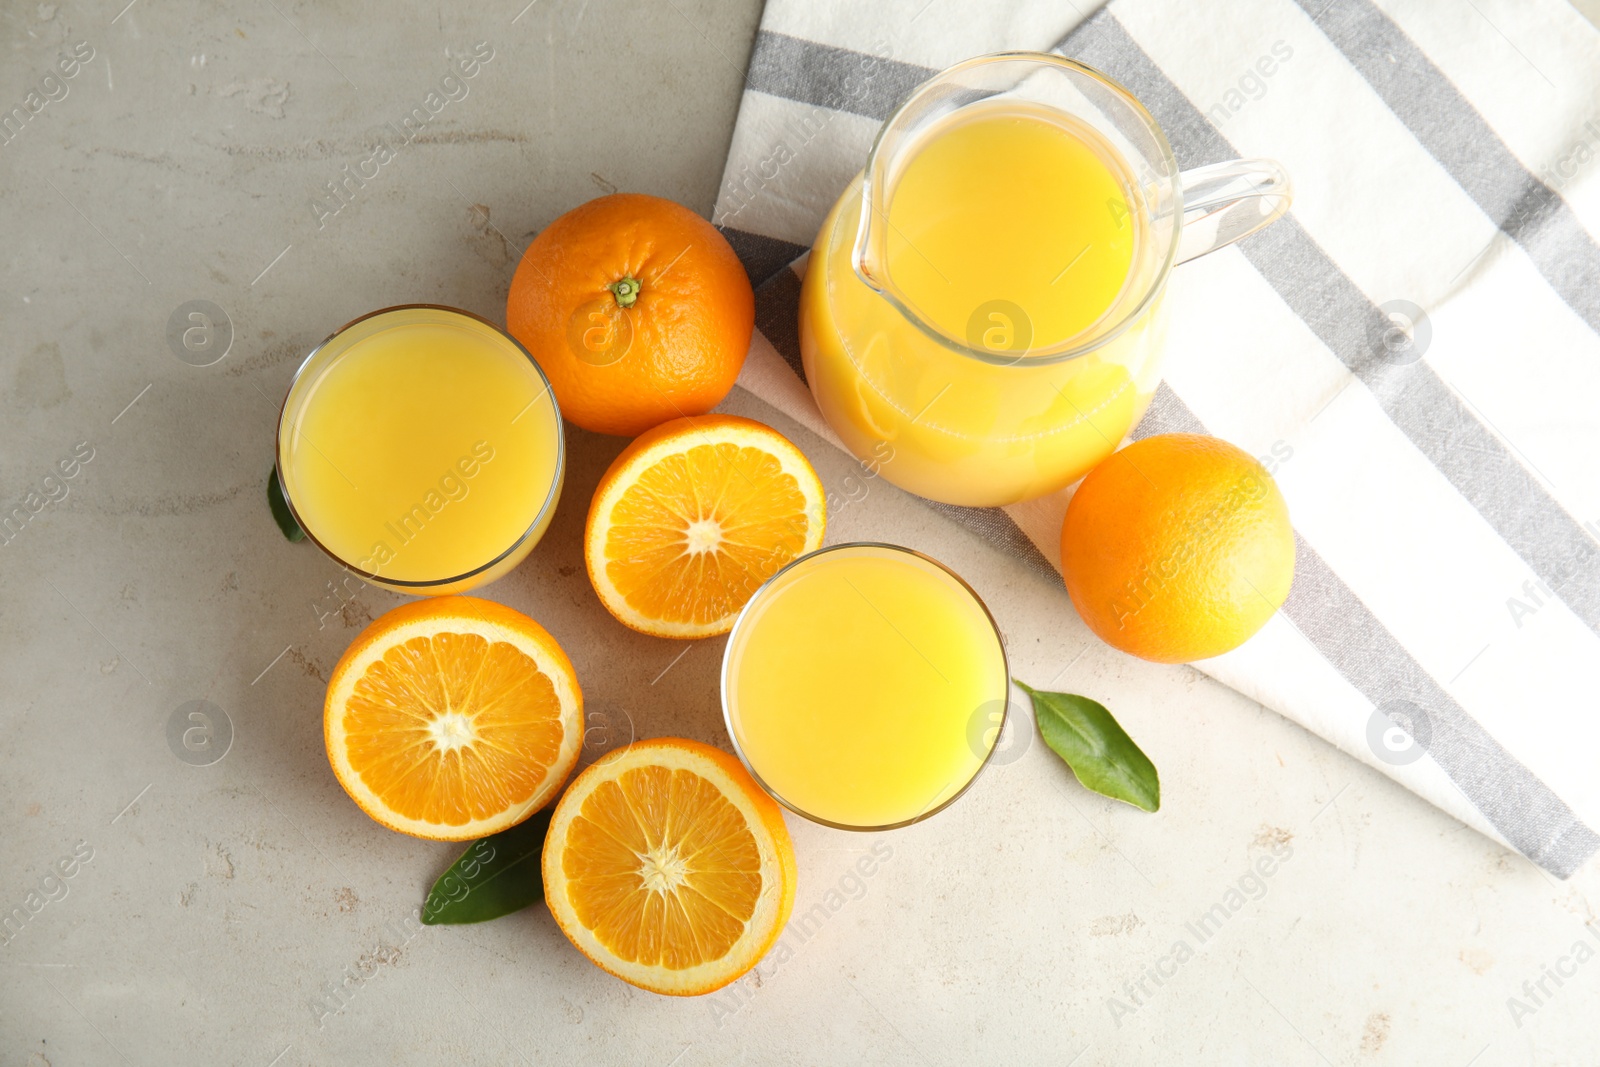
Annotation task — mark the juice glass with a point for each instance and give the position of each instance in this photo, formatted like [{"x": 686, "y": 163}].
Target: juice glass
[
  {"x": 984, "y": 303},
  {"x": 862, "y": 685},
  {"x": 421, "y": 447}
]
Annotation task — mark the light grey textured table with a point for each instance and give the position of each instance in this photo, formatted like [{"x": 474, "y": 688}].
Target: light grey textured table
[{"x": 212, "y": 911}]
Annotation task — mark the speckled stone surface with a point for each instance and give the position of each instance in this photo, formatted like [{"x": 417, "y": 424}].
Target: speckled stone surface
[{"x": 1287, "y": 905}]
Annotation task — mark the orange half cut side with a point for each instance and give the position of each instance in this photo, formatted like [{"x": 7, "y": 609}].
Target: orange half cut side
[
  {"x": 692, "y": 517},
  {"x": 453, "y": 718},
  {"x": 669, "y": 868}
]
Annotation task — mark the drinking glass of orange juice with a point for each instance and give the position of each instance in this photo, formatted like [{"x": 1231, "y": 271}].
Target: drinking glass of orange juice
[
  {"x": 864, "y": 686},
  {"x": 985, "y": 299},
  {"x": 421, "y": 448}
]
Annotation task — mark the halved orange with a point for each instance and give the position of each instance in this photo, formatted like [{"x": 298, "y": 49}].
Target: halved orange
[
  {"x": 692, "y": 517},
  {"x": 453, "y": 718},
  {"x": 668, "y": 867}
]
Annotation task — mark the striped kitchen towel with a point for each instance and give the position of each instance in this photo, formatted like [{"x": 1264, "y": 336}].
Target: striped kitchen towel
[{"x": 1415, "y": 349}]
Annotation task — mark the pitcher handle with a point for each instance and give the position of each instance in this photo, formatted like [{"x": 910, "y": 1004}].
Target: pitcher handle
[{"x": 1226, "y": 201}]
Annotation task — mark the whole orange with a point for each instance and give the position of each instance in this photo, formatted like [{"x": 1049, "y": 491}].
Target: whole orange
[
  {"x": 1177, "y": 548},
  {"x": 637, "y": 309}
]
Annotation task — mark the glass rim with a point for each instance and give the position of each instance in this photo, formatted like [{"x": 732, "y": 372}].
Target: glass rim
[
  {"x": 886, "y": 548},
  {"x": 429, "y": 583},
  {"x": 1064, "y": 350}
]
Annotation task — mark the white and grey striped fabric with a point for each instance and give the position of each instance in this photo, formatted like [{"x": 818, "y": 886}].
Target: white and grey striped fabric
[{"x": 1444, "y": 482}]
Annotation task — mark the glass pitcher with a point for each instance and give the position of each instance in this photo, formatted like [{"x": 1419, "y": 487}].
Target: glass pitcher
[{"x": 991, "y": 326}]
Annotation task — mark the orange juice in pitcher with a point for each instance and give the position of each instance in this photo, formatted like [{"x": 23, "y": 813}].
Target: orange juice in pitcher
[{"x": 986, "y": 298}]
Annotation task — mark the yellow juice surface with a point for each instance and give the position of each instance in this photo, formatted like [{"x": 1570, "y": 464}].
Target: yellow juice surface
[
  {"x": 1009, "y": 206},
  {"x": 1008, "y": 230},
  {"x": 863, "y": 686},
  {"x": 422, "y": 451}
]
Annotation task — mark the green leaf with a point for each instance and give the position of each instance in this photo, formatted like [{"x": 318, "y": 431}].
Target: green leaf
[
  {"x": 1099, "y": 751},
  {"x": 280, "y": 508},
  {"x": 495, "y": 877}
]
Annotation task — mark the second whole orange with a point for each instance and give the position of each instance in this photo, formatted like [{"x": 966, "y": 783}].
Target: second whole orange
[
  {"x": 1177, "y": 548},
  {"x": 636, "y": 308}
]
